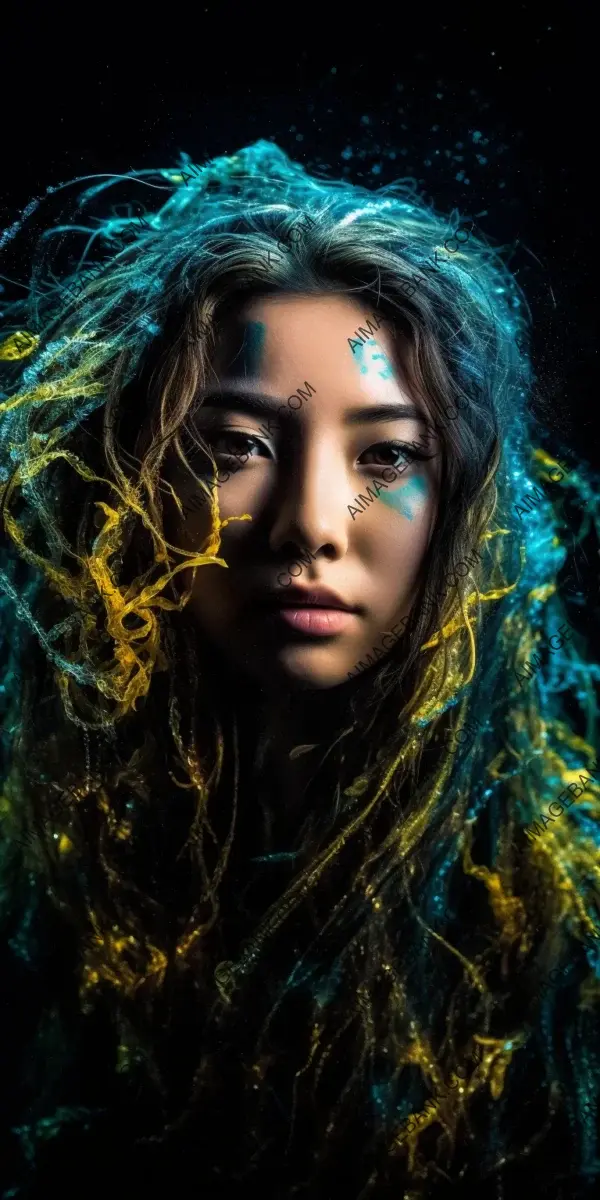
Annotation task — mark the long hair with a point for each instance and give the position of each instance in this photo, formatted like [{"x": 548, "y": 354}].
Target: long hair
[{"x": 414, "y": 919}]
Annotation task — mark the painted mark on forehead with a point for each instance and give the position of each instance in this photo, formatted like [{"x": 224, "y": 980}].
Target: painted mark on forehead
[
  {"x": 410, "y": 499},
  {"x": 373, "y": 360},
  {"x": 252, "y": 348}
]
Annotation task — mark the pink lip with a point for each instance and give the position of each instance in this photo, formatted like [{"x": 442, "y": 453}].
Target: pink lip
[{"x": 320, "y": 622}]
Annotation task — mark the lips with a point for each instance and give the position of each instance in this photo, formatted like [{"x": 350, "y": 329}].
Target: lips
[
  {"x": 319, "y": 622},
  {"x": 296, "y": 597},
  {"x": 318, "y": 612}
]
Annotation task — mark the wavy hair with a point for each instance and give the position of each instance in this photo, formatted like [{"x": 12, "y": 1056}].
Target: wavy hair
[{"x": 414, "y": 920}]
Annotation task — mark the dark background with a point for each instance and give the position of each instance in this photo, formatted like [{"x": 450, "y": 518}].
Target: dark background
[{"x": 491, "y": 112}]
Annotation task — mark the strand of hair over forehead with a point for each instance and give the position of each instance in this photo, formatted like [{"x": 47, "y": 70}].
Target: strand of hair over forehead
[{"x": 57, "y": 356}]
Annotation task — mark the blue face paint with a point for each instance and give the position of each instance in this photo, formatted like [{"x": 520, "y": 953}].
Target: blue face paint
[
  {"x": 383, "y": 368},
  {"x": 408, "y": 500},
  {"x": 386, "y": 372},
  {"x": 252, "y": 347}
]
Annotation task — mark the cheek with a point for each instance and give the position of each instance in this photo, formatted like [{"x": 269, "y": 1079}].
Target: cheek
[
  {"x": 411, "y": 500},
  {"x": 400, "y": 533},
  {"x": 209, "y": 588},
  {"x": 212, "y": 602},
  {"x": 239, "y": 497}
]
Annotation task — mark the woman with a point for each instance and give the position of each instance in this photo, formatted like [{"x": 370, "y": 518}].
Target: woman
[{"x": 269, "y": 916}]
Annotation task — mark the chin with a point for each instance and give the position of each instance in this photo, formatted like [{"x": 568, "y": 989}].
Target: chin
[
  {"x": 318, "y": 667},
  {"x": 305, "y": 667}
]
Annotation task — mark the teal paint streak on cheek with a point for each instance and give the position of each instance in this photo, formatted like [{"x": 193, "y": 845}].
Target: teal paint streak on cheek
[
  {"x": 253, "y": 346},
  {"x": 409, "y": 500}
]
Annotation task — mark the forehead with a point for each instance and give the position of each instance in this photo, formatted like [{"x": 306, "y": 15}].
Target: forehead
[{"x": 330, "y": 335}]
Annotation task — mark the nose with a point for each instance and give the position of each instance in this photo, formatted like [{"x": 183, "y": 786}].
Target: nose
[{"x": 311, "y": 512}]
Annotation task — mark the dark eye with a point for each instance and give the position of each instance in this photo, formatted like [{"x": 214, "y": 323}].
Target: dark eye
[
  {"x": 230, "y": 443},
  {"x": 394, "y": 454}
]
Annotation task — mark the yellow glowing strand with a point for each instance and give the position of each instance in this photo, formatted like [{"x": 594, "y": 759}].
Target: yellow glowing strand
[
  {"x": 506, "y": 908},
  {"x": 18, "y": 345},
  {"x": 456, "y": 622},
  {"x": 317, "y": 1030},
  {"x": 130, "y": 678}
]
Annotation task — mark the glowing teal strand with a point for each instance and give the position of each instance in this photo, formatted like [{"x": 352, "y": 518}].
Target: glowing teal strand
[
  {"x": 22, "y": 610},
  {"x": 283, "y": 856}
]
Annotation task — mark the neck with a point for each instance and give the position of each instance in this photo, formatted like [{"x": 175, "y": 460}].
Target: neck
[{"x": 273, "y": 720}]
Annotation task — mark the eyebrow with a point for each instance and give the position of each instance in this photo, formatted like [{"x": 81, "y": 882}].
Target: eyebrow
[
  {"x": 260, "y": 404},
  {"x": 384, "y": 412}
]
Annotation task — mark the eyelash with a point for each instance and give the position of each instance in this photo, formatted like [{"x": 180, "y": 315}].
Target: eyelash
[
  {"x": 400, "y": 450},
  {"x": 236, "y": 435}
]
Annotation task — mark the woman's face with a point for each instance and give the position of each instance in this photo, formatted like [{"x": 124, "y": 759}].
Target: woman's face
[{"x": 316, "y": 412}]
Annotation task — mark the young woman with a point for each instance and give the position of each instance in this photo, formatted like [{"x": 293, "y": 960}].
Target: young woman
[{"x": 271, "y": 914}]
